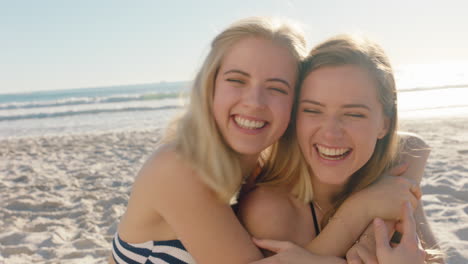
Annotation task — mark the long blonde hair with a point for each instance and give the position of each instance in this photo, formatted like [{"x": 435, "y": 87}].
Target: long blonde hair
[{"x": 195, "y": 134}]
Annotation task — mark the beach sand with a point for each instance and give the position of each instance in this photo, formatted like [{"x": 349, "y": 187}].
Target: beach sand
[{"x": 61, "y": 196}]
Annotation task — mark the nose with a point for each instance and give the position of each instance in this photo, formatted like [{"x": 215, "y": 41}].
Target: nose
[
  {"x": 254, "y": 97},
  {"x": 333, "y": 128}
]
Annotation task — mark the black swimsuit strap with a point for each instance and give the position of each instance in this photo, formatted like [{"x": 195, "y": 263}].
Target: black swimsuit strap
[{"x": 316, "y": 226}]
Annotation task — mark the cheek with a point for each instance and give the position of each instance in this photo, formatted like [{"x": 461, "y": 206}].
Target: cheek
[{"x": 365, "y": 138}]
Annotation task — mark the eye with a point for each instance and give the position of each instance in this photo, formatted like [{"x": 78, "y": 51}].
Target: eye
[
  {"x": 357, "y": 115},
  {"x": 280, "y": 90},
  {"x": 311, "y": 111},
  {"x": 232, "y": 80}
]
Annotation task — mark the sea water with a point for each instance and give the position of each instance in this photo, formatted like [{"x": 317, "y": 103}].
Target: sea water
[
  {"x": 90, "y": 110},
  {"x": 424, "y": 91}
]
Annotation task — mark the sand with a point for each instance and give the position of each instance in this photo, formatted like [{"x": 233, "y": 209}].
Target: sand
[{"x": 61, "y": 196}]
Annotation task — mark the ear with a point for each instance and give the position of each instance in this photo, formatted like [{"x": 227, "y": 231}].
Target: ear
[{"x": 385, "y": 126}]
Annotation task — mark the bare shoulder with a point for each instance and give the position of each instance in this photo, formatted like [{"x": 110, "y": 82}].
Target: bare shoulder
[
  {"x": 267, "y": 212},
  {"x": 415, "y": 152},
  {"x": 164, "y": 175}
]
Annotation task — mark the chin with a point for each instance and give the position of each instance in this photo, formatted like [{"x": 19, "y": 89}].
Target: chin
[{"x": 248, "y": 150}]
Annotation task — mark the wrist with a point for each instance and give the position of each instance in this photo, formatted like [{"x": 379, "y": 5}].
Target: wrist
[{"x": 362, "y": 204}]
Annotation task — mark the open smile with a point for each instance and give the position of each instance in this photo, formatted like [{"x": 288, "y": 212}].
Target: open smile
[
  {"x": 248, "y": 123},
  {"x": 332, "y": 153}
]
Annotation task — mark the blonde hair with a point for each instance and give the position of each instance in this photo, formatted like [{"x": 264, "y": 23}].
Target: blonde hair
[
  {"x": 286, "y": 165},
  {"x": 195, "y": 134}
]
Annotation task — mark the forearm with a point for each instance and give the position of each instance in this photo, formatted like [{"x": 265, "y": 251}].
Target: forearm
[
  {"x": 367, "y": 237},
  {"x": 348, "y": 223}
]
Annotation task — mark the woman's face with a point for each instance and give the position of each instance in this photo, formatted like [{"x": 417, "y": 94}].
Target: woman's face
[
  {"x": 339, "y": 121},
  {"x": 254, "y": 91}
]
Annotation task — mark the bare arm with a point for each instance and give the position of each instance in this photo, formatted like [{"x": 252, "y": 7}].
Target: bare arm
[
  {"x": 414, "y": 152},
  {"x": 273, "y": 215},
  {"x": 207, "y": 227},
  {"x": 383, "y": 199}
]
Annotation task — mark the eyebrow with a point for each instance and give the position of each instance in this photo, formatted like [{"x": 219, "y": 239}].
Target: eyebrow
[
  {"x": 357, "y": 106},
  {"x": 268, "y": 80},
  {"x": 279, "y": 80},
  {"x": 237, "y": 71},
  {"x": 312, "y": 102},
  {"x": 344, "y": 106}
]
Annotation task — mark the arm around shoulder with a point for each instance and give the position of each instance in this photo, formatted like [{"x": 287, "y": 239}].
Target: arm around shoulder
[{"x": 207, "y": 227}]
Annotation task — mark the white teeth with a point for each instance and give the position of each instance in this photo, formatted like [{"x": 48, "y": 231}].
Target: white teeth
[
  {"x": 331, "y": 153},
  {"x": 249, "y": 124}
]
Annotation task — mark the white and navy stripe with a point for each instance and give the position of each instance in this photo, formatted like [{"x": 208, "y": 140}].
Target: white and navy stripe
[{"x": 156, "y": 252}]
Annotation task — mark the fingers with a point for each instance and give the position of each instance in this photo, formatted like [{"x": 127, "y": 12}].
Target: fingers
[
  {"x": 399, "y": 226},
  {"x": 399, "y": 169},
  {"x": 416, "y": 191},
  {"x": 409, "y": 225},
  {"x": 272, "y": 245},
  {"x": 381, "y": 236},
  {"x": 366, "y": 256},
  {"x": 352, "y": 256}
]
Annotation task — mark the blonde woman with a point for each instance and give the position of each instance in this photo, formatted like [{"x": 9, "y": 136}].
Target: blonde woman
[
  {"x": 179, "y": 209},
  {"x": 346, "y": 125}
]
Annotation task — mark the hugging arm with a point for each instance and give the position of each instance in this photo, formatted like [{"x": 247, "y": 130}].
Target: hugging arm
[
  {"x": 415, "y": 153},
  {"x": 207, "y": 227},
  {"x": 270, "y": 214}
]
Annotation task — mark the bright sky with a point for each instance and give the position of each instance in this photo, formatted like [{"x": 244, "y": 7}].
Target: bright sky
[{"x": 56, "y": 44}]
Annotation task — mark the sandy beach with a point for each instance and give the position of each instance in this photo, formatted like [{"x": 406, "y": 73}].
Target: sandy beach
[{"x": 61, "y": 196}]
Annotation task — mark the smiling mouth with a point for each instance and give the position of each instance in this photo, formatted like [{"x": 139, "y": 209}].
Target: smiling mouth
[
  {"x": 332, "y": 153},
  {"x": 249, "y": 124}
]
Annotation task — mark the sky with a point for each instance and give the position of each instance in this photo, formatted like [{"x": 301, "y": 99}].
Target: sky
[{"x": 57, "y": 44}]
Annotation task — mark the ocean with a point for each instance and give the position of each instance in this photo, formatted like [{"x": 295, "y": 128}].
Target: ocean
[
  {"x": 425, "y": 91},
  {"x": 90, "y": 110}
]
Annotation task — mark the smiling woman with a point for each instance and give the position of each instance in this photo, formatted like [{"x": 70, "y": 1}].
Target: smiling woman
[
  {"x": 339, "y": 115},
  {"x": 252, "y": 106},
  {"x": 240, "y": 105},
  {"x": 346, "y": 130}
]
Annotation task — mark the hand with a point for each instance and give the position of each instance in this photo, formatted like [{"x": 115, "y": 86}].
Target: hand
[
  {"x": 363, "y": 251},
  {"x": 399, "y": 170},
  {"x": 386, "y": 196},
  {"x": 360, "y": 254},
  {"x": 408, "y": 251},
  {"x": 287, "y": 252}
]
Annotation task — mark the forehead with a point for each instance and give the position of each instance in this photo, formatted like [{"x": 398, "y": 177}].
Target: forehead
[
  {"x": 257, "y": 55},
  {"x": 346, "y": 84}
]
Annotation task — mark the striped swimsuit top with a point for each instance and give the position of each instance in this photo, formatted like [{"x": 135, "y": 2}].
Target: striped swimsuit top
[
  {"x": 162, "y": 252},
  {"x": 157, "y": 252}
]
